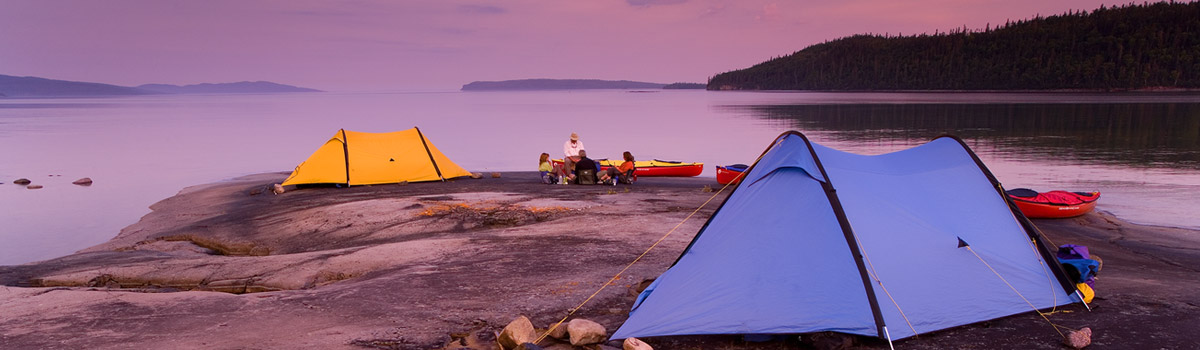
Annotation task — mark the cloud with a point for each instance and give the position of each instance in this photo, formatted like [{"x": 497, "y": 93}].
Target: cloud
[
  {"x": 770, "y": 12},
  {"x": 647, "y": 3},
  {"x": 482, "y": 9}
]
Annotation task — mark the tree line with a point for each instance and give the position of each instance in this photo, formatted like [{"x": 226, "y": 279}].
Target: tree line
[{"x": 1127, "y": 47}]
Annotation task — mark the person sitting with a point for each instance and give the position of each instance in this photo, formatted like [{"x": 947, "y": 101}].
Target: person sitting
[
  {"x": 571, "y": 151},
  {"x": 549, "y": 175},
  {"x": 585, "y": 170},
  {"x": 623, "y": 173}
]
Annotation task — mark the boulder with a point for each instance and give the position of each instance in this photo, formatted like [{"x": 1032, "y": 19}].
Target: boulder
[
  {"x": 635, "y": 344},
  {"x": 33, "y": 187},
  {"x": 22, "y": 181},
  {"x": 1079, "y": 339},
  {"x": 517, "y": 332},
  {"x": 476, "y": 176},
  {"x": 584, "y": 331},
  {"x": 87, "y": 181},
  {"x": 559, "y": 332},
  {"x": 276, "y": 188},
  {"x": 496, "y": 175}
]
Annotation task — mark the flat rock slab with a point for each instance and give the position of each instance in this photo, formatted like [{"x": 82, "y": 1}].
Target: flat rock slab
[{"x": 447, "y": 265}]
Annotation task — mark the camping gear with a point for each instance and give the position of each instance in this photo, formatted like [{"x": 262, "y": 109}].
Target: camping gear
[
  {"x": 1053, "y": 204},
  {"x": 814, "y": 239},
  {"x": 586, "y": 177},
  {"x": 652, "y": 167},
  {"x": 1078, "y": 263},
  {"x": 364, "y": 158},
  {"x": 729, "y": 173}
]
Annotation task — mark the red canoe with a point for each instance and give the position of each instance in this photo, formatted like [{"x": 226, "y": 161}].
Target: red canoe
[
  {"x": 730, "y": 173},
  {"x": 652, "y": 167},
  {"x": 1053, "y": 204}
]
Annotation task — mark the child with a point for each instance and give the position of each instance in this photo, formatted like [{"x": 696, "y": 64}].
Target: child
[{"x": 546, "y": 169}]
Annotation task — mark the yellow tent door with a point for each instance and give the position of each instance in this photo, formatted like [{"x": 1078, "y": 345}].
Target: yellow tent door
[{"x": 363, "y": 158}]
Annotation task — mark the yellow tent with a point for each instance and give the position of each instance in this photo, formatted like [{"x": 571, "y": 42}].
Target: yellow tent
[{"x": 364, "y": 158}]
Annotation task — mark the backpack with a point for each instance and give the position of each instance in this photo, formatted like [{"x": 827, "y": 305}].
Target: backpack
[{"x": 586, "y": 177}]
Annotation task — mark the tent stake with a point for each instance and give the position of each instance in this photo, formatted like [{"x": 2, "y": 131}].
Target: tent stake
[
  {"x": 1080, "y": 295},
  {"x": 889, "y": 338}
]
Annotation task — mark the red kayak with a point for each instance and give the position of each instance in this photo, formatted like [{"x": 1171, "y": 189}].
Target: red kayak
[
  {"x": 652, "y": 167},
  {"x": 730, "y": 173},
  {"x": 1053, "y": 204}
]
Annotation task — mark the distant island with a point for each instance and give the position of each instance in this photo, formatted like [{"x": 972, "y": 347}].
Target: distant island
[
  {"x": 572, "y": 84},
  {"x": 1133, "y": 47},
  {"x": 13, "y": 86},
  {"x": 684, "y": 86},
  {"x": 225, "y": 88}
]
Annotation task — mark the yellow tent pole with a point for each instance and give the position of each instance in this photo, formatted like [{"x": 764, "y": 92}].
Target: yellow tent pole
[{"x": 423, "y": 143}]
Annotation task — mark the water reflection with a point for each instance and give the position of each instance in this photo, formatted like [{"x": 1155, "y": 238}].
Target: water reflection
[{"x": 1165, "y": 135}]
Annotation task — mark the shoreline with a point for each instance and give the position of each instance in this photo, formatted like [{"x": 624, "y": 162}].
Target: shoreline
[{"x": 424, "y": 265}]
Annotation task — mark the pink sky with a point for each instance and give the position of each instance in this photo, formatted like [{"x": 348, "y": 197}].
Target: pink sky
[{"x": 442, "y": 44}]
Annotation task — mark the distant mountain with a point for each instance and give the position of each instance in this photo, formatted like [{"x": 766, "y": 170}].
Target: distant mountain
[
  {"x": 558, "y": 84},
  {"x": 11, "y": 86},
  {"x": 225, "y": 88}
]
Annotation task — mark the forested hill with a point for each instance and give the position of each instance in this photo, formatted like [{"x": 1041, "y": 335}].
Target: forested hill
[{"x": 1132, "y": 47}]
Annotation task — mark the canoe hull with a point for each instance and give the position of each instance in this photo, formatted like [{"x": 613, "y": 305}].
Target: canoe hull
[
  {"x": 687, "y": 170},
  {"x": 1050, "y": 211},
  {"x": 726, "y": 175},
  {"x": 1055, "y": 204}
]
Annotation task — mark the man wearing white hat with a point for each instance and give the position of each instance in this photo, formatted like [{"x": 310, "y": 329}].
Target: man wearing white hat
[{"x": 571, "y": 153}]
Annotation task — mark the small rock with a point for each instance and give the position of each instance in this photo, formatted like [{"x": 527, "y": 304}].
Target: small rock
[
  {"x": 495, "y": 175},
  {"x": 635, "y": 344},
  {"x": 33, "y": 187},
  {"x": 528, "y": 346},
  {"x": 637, "y": 288},
  {"x": 1079, "y": 339},
  {"x": 559, "y": 332},
  {"x": 87, "y": 181},
  {"x": 517, "y": 332},
  {"x": 476, "y": 176},
  {"x": 276, "y": 188},
  {"x": 22, "y": 181},
  {"x": 584, "y": 331}
]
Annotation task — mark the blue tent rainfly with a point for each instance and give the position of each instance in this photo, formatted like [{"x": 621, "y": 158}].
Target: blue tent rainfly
[{"x": 893, "y": 245}]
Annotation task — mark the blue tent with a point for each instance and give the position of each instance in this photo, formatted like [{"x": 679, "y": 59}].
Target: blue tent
[{"x": 815, "y": 239}]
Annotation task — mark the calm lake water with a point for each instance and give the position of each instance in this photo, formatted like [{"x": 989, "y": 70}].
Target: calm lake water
[{"x": 1142, "y": 151}]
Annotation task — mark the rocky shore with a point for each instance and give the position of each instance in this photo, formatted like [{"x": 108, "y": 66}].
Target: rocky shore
[{"x": 447, "y": 265}]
